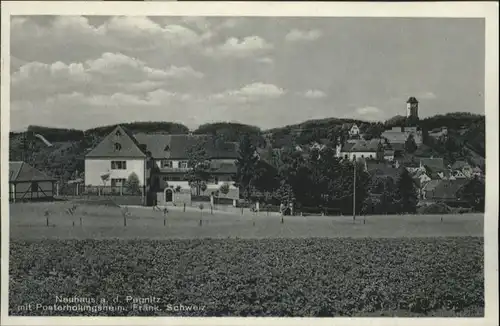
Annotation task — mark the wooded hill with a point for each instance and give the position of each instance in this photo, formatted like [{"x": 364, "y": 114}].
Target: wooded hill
[{"x": 64, "y": 160}]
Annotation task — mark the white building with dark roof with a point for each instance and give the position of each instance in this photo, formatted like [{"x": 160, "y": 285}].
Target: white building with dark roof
[
  {"x": 160, "y": 161},
  {"x": 365, "y": 149}
]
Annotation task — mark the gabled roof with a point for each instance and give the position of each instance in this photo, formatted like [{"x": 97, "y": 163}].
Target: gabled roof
[
  {"x": 398, "y": 146},
  {"x": 409, "y": 161},
  {"x": 347, "y": 147},
  {"x": 164, "y": 146},
  {"x": 119, "y": 143},
  {"x": 458, "y": 165},
  {"x": 394, "y": 136},
  {"x": 435, "y": 164},
  {"x": 23, "y": 172},
  {"x": 447, "y": 189},
  {"x": 362, "y": 146},
  {"x": 412, "y": 100}
]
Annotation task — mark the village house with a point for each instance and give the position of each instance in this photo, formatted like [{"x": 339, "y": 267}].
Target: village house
[
  {"x": 462, "y": 168},
  {"x": 367, "y": 149},
  {"x": 114, "y": 159},
  {"x": 443, "y": 190},
  {"x": 354, "y": 131},
  {"x": 28, "y": 183},
  {"x": 399, "y": 135},
  {"x": 409, "y": 162},
  {"x": 446, "y": 175},
  {"x": 170, "y": 156},
  {"x": 159, "y": 161},
  {"x": 377, "y": 169},
  {"x": 389, "y": 155}
]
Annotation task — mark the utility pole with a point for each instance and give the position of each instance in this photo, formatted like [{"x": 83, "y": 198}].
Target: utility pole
[{"x": 354, "y": 195}]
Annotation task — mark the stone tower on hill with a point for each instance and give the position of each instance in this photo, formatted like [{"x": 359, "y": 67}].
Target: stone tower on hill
[{"x": 412, "y": 108}]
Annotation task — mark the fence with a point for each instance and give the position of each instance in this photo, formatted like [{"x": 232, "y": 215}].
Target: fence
[{"x": 80, "y": 190}]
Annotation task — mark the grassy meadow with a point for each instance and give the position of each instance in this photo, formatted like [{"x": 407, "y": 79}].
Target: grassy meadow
[{"x": 244, "y": 264}]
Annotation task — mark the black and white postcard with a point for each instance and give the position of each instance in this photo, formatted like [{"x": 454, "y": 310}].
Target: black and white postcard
[{"x": 208, "y": 163}]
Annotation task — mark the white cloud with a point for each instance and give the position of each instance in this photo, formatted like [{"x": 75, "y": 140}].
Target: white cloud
[
  {"x": 234, "y": 47},
  {"x": 112, "y": 72},
  {"x": 251, "y": 92},
  {"x": 296, "y": 35},
  {"x": 314, "y": 94},
  {"x": 427, "y": 96},
  {"x": 76, "y": 39}
]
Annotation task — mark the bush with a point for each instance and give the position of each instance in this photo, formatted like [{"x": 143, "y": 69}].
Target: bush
[
  {"x": 133, "y": 185},
  {"x": 435, "y": 208},
  {"x": 224, "y": 189}
]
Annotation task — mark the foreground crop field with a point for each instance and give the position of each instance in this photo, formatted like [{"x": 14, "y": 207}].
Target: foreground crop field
[
  {"x": 237, "y": 277},
  {"x": 29, "y": 222}
]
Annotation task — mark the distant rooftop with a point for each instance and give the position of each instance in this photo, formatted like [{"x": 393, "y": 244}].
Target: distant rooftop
[{"x": 412, "y": 100}]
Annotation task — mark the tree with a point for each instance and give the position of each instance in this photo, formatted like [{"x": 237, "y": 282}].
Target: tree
[
  {"x": 410, "y": 145},
  {"x": 199, "y": 166},
  {"x": 473, "y": 192},
  {"x": 374, "y": 131},
  {"x": 406, "y": 195},
  {"x": 133, "y": 184},
  {"x": 224, "y": 188},
  {"x": 266, "y": 178},
  {"x": 246, "y": 165},
  {"x": 285, "y": 193}
]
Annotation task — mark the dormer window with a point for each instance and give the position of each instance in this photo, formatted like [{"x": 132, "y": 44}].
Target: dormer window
[
  {"x": 118, "y": 146},
  {"x": 167, "y": 148}
]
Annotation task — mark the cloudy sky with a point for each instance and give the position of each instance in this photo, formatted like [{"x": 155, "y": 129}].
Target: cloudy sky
[{"x": 82, "y": 72}]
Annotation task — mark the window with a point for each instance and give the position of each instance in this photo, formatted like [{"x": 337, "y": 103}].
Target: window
[
  {"x": 371, "y": 156},
  {"x": 167, "y": 148},
  {"x": 216, "y": 180},
  {"x": 165, "y": 179},
  {"x": 183, "y": 164},
  {"x": 166, "y": 164},
  {"x": 120, "y": 182},
  {"x": 362, "y": 156},
  {"x": 118, "y": 165},
  {"x": 118, "y": 133},
  {"x": 118, "y": 146}
]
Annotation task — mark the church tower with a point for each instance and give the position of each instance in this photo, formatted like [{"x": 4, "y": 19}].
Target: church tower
[{"x": 412, "y": 108}]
